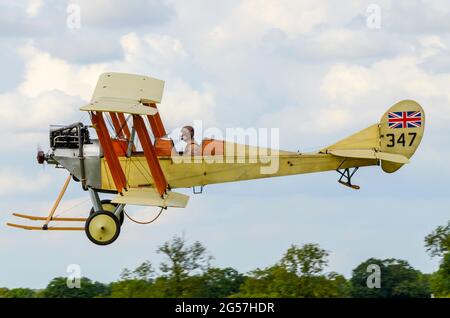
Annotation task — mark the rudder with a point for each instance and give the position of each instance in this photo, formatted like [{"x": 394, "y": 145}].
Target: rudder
[{"x": 401, "y": 131}]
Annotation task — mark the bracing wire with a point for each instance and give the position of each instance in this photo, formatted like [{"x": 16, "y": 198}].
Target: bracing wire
[
  {"x": 72, "y": 207},
  {"x": 146, "y": 222}
]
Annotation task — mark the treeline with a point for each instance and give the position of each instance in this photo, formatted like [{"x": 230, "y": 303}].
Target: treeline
[{"x": 187, "y": 272}]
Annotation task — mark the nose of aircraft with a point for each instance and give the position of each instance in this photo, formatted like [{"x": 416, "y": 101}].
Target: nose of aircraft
[{"x": 40, "y": 157}]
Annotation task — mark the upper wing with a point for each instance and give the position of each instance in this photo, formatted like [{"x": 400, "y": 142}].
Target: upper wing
[
  {"x": 119, "y": 105},
  {"x": 126, "y": 93}
]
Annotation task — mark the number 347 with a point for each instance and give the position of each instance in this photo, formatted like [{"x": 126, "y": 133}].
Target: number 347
[{"x": 401, "y": 140}]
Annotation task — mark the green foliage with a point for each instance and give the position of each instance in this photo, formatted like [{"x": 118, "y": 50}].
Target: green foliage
[
  {"x": 438, "y": 242},
  {"x": 398, "y": 280},
  {"x": 308, "y": 260},
  {"x": 132, "y": 288},
  {"x": 58, "y": 288},
  {"x": 144, "y": 272},
  {"x": 182, "y": 260},
  {"x": 17, "y": 293},
  {"x": 186, "y": 272},
  {"x": 219, "y": 282},
  {"x": 3, "y": 292},
  {"x": 440, "y": 280},
  {"x": 298, "y": 274}
]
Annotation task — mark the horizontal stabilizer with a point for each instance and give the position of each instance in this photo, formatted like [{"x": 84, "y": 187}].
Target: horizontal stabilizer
[
  {"x": 369, "y": 154},
  {"x": 150, "y": 197}
]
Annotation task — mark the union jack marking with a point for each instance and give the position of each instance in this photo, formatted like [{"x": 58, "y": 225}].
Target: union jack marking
[{"x": 409, "y": 119}]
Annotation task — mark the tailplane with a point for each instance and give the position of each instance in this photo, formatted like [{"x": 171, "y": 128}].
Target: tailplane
[{"x": 393, "y": 141}]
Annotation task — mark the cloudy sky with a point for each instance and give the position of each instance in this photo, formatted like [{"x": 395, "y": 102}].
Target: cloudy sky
[{"x": 317, "y": 70}]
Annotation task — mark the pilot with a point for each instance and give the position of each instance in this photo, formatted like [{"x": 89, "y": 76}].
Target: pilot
[{"x": 192, "y": 148}]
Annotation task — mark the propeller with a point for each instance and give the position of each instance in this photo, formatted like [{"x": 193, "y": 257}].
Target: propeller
[{"x": 41, "y": 157}]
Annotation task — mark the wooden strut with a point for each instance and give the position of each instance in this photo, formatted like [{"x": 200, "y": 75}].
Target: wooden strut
[
  {"x": 150, "y": 155},
  {"x": 43, "y": 218},
  {"x": 156, "y": 123},
  {"x": 111, "y": 158},
  {"x": 27, "y": 227},
  {"x": 58, "y": 200},
  {"x": 117, "y": 126},
  {"x": 124, "y": 125}
]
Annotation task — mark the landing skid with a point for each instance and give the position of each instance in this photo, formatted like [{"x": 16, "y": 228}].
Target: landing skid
[
  {"x": 102, "y": 226},
  {"x": 50, "y": 217},
  {"x": 346, "y": 177}
]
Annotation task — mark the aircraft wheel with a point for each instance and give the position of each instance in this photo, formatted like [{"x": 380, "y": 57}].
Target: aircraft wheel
[
  {"x": 102, "y": 228},
  {"x": 108, "y": 206}
]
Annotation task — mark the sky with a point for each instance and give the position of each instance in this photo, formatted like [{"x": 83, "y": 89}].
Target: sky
[{"x": 316, "y": 70}]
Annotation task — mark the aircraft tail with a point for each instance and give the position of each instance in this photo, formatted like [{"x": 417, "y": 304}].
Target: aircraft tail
[{"x": 393, "y": 140}]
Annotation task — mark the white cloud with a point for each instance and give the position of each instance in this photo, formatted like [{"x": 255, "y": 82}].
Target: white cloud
[
  {"x": 356, "y": 95},
  {"x": 34, "y": 6},
  {"x": 45, "y": 73},
  {"x": 53, "y": 89},
  {"x": 151, "y": 51},
  {"x": 117, "y": 13},
  {"x": 15, "y": 182},
  {"x": 351, "y": 87},
  {"x": 293, "y": 17},
  {"x": 21, "y": 114},
  {"x": 182, "y": 105}
]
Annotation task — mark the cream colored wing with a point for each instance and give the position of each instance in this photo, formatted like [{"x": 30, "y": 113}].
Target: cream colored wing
[{"x": 125, "y": 93}]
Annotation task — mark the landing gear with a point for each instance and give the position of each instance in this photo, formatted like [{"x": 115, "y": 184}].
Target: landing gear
[
  {"x": 102, "y": 228},
  {"x": 110, "y": 207},
  {"x": 103, "y": 225},
  {"x": 347, "y": 175}
]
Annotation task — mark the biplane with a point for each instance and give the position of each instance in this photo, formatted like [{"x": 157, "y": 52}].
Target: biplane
[{"x": 123, "y": 111}]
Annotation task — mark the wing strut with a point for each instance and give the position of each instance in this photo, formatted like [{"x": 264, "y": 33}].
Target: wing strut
[
  {"x": 156, "y": 123},
  {"x": 108, "y": 150},
  {"x": 124, "y": 125},
  {"x": 150, "y": 155},
  {"x": 117, "y": 126}
]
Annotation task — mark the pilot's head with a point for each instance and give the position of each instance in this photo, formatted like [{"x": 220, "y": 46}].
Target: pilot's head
[{"x": 187, "y": 133}]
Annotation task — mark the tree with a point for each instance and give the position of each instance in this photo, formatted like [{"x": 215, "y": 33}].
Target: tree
[
  {"x": 132, "y": 288},
  {"x": 437, "y": 244},
  {"x": 219, "y": 283},
  {"x": 182, "y": 260},
  {"x": 144, "y": 272},
  {"x": 440, "y": 280},
  {"x": 135, "y": 284},
  {"x": 307, "y": 260},
  {"x": 3, "y": 292},
  {"x": 274, "y": 281},
  {"x": 299, "y": 273},
  {"x": 398, "y": 280},
  {"x": 57, "y": 288},
  {"x": 19, "y": 293}
]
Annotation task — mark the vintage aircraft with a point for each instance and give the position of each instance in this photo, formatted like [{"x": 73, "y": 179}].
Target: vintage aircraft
[{"x": 113, "y": 164}]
